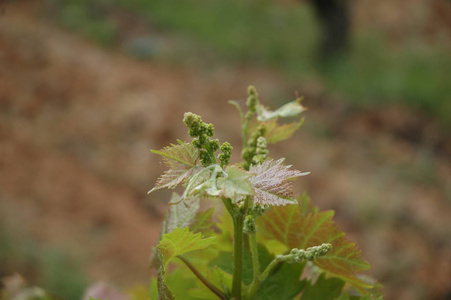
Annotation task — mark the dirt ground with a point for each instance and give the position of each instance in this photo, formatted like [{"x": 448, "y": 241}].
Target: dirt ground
[{"x": 77, "y": 122}]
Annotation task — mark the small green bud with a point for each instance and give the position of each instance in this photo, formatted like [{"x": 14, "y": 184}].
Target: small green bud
[
  {"x": 205, "y": 158},
  {"x": 191, "y": 119},
  {"x": 259, "y": 210},
  {"x": 249, "y": 225},
  {"x": 250, "y": 150},
  {"x": 226, "y": 150},
  {"x": 261, "y": 145},
  {"x": 214, "y": 145},
  {"x": 261, "y": 151},
  {"x": 297, "y": 255},
  {"x": 209, "y": 130},
  {"x": 252, "y": 91},
  {"x": 251, "y": 103},
  {"x": 196, "y": 143},
  {"x": 203, "y": 140}
]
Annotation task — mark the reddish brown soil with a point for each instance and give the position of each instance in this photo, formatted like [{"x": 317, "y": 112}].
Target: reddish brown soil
[{"x": 77, "y": 121}]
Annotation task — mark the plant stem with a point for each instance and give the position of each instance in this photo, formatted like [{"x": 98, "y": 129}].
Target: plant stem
[
  {"x": 237, "y": 255},
  {"x": 244, "y": 129},
  {"x": 237, "y": 215},
  {"x": 255, "y": 266},
  {"x": 238, "y": 107},
  {"x": 204, "y": 280},
  {"x": 268, "y": 269}
]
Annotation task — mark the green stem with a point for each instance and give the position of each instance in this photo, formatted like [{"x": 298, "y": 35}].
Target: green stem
[
  {"x": 237, "y": 255},
  {"x": 211, "y": 153},
  {"x": 229, "y": 206},
  {"x": 244, "y": 129},
  {"x": 204, "y": 280},
  {"x": 244, "y": 122},
  {"x": 238, "y": 217},
  {"x": 268, "y": 269},
  {"x": 255, "y": 266}
]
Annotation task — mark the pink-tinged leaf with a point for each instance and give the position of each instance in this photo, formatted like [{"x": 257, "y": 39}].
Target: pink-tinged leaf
[
  {"x": 272, "y": 184},
  {"x": 288, "y": 226},
  {"x": 182, "y": 162},
  {"x": 180, "y": 214}
]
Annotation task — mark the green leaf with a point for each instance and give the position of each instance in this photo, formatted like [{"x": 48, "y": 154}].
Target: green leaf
[
  {"x": 203, "y": 222},
  {"x": 324, "y": 289},
  {"x": 272, "y": 183},
  {"x": 181, "y": 160},
  {"x": 283, "y": 284},
  {"x": 180, "y": 214},
  {"x": 221, "y": 279},
  {"x": 276, "y": 133},
  {"x": 181, "y": 241},
  {"x": 287, "y": 225},
  {"x": 218, "y": 278},
  {"x": 173, "y": 244},
  {"x": 224, "y": 261},
  {"x": 236, "y": 185},
  {"x": 290, "y": 109},
  {"x": 181, "y": 282}
]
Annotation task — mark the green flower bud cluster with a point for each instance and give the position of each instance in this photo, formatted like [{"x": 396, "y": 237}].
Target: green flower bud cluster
[
  {"x": 257, "y": 210},
  {"x": 251, "y": 149},
  {"x": 251, "y": 103},
  {"x": 261, "y": 151},
  {"x": 249, "y": 224},
  {"x": 202, "y": 133},
  {"x": 298, "y": 255},
  {"x": 226, "y": 150}
]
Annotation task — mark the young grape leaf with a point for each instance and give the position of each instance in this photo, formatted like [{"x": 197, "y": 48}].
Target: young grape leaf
[
  {"x": 324, "y": 289},
  {"x": 344, "y": 260},
  {"x": 173, "y": 244},
  {"x": 236, "y": 185},
  {"x": 181, "y": 214},
  {"x": 182, "y": 282},
  {"x": 182, "y": 162},
  {"x": 290, "y": 109},
  {"x": 283, "y": 284},
  {"x": 180, "y": 241},
  {"x": 276, "y": 133},
  {"x": 203, "y": 223},
  {"x": 218, "y": 278},
  {"x": 272, "y": 183}
]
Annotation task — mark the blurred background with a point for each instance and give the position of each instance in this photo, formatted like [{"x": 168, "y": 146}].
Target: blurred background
[{"x": 88, "y": 87}]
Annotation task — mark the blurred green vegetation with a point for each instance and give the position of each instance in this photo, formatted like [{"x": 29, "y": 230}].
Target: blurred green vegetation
[
  {"x": 267, "y": 33},
  {"x": 88, "y": 17},
  {"x": 47, "y": 267}
]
